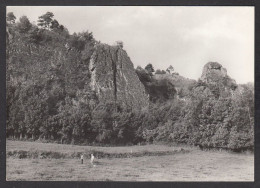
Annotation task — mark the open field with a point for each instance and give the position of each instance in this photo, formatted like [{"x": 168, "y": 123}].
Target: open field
[{"x": 131, "y": 163}]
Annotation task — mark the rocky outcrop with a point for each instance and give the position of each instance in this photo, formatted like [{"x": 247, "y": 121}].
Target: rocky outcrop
[
  {"x": 180, "y": 83},
  {"x": 215, "y": 73},
  {"x": 176, "y": 80},
  {"x": 113, "y": 77}
]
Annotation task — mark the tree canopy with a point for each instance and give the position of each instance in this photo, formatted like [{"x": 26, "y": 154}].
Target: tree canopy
[
  {"x": 45, "y": 21},
  {"x": 10, "y": 18},
  {"x": 24, "y": 24},
  {"x": 149, "y": 68}
]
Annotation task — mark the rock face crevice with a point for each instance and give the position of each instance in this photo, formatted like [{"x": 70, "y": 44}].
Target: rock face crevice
[
  {"x": 114, "y": 74},
  {"x": 113, "y": 77}
]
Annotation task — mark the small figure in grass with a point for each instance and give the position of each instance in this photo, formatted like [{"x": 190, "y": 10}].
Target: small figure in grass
[
  {"x": 92, "y": 159},
  {"x": 81, "y": 157}
]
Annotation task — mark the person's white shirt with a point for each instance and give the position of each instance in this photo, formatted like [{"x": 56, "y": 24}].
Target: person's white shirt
[{"x": 92, "y": 158}]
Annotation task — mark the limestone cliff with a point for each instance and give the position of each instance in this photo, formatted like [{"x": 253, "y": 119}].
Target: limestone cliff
[{"x": 113, "y": 77}]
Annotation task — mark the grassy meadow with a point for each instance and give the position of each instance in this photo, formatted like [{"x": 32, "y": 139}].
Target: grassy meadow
[{"x": 35, "y": 161}]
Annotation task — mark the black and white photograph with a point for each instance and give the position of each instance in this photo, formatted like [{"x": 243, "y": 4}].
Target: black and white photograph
[{"x": 130, "y": 93}]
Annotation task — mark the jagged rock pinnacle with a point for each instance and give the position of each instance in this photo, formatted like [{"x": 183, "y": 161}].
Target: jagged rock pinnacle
[{"x": 113, "y": 77}]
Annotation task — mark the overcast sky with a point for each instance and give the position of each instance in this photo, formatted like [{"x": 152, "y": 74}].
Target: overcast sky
[{"x": 184, "y": 37}]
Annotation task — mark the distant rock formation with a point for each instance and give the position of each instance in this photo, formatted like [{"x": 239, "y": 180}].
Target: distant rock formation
[
  {"x": 178, "y": 80},
  {"x": 180, "y": 83},
  {"x": 215, "y": 73},
  {"x": 113, "y": 77}
]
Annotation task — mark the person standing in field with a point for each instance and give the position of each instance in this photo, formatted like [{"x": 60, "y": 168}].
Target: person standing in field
[
  {"x": 92, "y": 158},
  {"x": 81, "y": 157}
]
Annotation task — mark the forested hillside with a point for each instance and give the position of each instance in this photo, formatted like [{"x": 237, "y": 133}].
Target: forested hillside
[{"x": 71, "y": 88}]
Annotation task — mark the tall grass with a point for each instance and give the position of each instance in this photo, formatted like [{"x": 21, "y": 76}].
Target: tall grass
[{"x": 21, "y": 154}]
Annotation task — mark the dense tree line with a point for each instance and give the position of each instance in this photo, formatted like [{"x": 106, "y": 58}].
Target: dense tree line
[
  {"x": 211, "y": 115},
  {"x": 48, "y": 97}
]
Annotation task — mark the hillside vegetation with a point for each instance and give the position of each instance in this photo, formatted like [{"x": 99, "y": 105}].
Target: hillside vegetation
[{"x": 70, "y": 88}]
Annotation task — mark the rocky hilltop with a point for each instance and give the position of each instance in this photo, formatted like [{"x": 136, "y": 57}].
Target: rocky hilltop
[
  {"x": 177, "y": 80},
  {"x": 180, "y": 83},
  {"x": 215, "y": 73},
  {"x": 113, "y": 77},
  {"x": 107, "y": 76}
]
